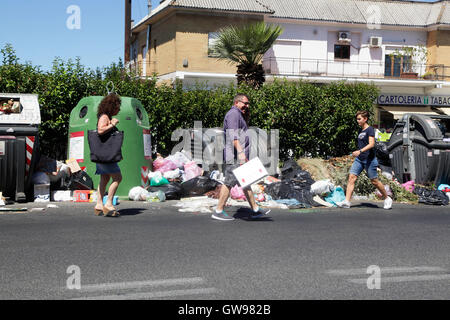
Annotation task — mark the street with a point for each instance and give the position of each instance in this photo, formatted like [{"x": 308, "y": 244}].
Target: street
[{"x": 155, "y": 252}]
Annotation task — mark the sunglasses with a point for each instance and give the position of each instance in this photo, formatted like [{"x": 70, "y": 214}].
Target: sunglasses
[{"x": 246, "y": 103}]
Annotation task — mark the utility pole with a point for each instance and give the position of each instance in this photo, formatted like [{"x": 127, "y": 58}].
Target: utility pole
[{"x": 127, "y": 30}]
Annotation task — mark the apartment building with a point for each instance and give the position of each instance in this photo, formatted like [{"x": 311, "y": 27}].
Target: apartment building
[{"x": 323, "y": 41}]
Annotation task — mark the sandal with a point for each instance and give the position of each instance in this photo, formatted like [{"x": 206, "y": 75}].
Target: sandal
[
  {"x": 110, "y": 213},
  {"x": 98, "y": 211},
  {"x": 115, "y": 214}
]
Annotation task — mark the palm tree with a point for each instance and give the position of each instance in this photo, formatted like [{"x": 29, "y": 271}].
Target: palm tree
[{"x": 246, "y": 45}]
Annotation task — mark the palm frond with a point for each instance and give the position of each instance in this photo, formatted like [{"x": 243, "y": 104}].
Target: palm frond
[{"x": 245, "y": 44}]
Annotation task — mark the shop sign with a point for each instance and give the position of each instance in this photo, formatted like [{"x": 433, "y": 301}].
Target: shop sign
[{"x": 411, "y": 99}]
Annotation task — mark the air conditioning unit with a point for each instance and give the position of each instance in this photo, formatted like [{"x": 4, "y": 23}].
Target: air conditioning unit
[
  {"x": 375, "y": 41},
  {"x": 344, "y": 36}
]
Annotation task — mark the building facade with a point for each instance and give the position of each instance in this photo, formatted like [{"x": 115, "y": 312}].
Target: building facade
[{"x": 402, "y": 47}]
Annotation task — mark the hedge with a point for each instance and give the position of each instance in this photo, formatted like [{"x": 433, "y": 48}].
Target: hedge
[{"x": 313, "y": 119}]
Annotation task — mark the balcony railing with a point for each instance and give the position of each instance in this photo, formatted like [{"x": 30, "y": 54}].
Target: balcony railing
[
  {"x": 139, "y": 68},
  {"x": 339, "y": 68}
]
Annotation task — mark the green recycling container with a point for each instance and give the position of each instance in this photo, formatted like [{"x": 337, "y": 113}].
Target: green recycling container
[{"x": 136, "y": 148}]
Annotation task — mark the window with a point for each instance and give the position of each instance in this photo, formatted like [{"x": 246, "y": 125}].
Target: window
[
  {"x": 212, "y": 38},
  {"x": 395, "y": 65},
  {"x": 341, "y": 51}
]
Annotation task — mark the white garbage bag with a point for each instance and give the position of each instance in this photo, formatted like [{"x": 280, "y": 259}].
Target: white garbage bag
[
  {"x": 154, "y": 174},
  {"x": 138, "y": 194},
  {"x": 172, "y": 174},
  {"x": 179, "y": 158},
  {"x": 321, "y": 187}
]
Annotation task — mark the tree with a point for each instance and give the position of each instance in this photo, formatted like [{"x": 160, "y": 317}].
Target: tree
[{"x": 246, "y": 46}]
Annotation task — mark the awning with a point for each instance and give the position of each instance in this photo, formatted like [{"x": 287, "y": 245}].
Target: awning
[
  {"x": 445, "y": 110},
  {"x": 398, "y": 112}
]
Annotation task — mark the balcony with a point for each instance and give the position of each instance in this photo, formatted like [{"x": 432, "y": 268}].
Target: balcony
[
  {"x": 141, "y": 68},
  {"x": 351, "y": 69}
]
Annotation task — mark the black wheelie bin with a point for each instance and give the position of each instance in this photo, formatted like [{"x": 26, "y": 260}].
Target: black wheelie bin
[
  {"x": 419, "y": 149},
  {"x": 19, "y": 127}
]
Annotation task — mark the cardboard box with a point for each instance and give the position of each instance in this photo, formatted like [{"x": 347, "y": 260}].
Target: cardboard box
[
  {"x": 73, "y": 165},
  {"x": 81, "y": 195},
  {"x": 250, "y": 172}
]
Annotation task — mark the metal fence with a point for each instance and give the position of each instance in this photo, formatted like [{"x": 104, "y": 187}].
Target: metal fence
[
  {"x": 344, "y": 68},
  {"x": 328, "y": 68}
]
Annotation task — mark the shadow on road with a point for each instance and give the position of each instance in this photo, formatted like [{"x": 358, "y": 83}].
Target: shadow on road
[
  {"x": 244, "y": 214},
  {"x": 365, "y": 205},
  {"x": 131, "y": 211}
]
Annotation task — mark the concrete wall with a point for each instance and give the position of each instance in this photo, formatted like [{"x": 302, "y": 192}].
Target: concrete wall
[
  {"x": 317, "y": 47},
  {"x": 162, "y": 53},
  {"x": 192, "y": 40},
  {"x": 438, "y": 44},
  {"x": 184, "y": 36}
]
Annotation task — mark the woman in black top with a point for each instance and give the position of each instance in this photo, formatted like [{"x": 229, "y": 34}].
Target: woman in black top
[{"x": 365, "y": 160}]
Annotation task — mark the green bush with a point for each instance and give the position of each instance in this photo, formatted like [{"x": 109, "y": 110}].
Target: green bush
[{"x": 313, "y": 120}]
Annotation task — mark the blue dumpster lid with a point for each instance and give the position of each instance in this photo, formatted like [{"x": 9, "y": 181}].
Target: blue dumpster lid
[{"x": 26, "y": 109}]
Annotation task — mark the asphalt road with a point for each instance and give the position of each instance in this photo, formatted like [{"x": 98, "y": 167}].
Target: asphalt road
[{"x": 155, "y": 252}]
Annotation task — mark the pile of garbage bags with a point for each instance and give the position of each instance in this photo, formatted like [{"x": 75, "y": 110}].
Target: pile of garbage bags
[
  {"x": 176, "y": 176},
  {"x": 438, "y": 197},
  {"x": 429, "y": 195}
]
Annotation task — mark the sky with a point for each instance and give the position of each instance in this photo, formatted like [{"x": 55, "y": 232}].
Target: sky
[
  {"x": 38, "y": 31},
  {"x": 41, "y": 30}
]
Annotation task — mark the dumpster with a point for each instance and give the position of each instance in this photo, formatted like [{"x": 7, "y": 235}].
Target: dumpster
[
  {"x": 419, "y": 149},
  {"x": 136, "y": 148},
  {"x": 20, "y": 118}
]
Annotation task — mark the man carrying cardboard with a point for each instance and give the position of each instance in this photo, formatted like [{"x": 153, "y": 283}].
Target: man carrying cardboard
[{"x": 236, "y": 153}]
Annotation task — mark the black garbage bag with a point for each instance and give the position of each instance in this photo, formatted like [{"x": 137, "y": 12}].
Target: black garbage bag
[
  {"x": 382, "y": 154},
  {"x": 292, "y": 189},
  {"x": 198, "y": 186},
  {"x": 290, "y": 170},
  {"x": 432, "y": 197},
  {"x": 273, "y": 190},
  {"x": 80, "y": 180},
  {"x": 173, "y": 190}
]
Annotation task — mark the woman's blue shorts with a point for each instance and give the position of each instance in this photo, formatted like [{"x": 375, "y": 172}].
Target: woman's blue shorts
[
  {"x": 370, "y": 165},
  {"x": 107, "y": 168}
]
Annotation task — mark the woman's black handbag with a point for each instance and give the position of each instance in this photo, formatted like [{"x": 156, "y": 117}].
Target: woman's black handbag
[{"x": 105, "y": 148}]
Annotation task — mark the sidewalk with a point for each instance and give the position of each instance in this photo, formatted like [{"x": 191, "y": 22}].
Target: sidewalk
[{"x": 34, "y": 207}]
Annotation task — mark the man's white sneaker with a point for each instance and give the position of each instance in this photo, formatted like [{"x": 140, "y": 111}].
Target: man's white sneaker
[
  {"x": 344, "y": 204},
  {"x": 387, "y": 203}
]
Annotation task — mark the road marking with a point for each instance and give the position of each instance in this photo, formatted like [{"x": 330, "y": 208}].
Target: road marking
[
  {"x": 140, "y": 284},
  {"x": 152, "y": 295},
  {"x": 352, "y": 272},
  {"x": 405, "y": 278}
]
